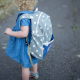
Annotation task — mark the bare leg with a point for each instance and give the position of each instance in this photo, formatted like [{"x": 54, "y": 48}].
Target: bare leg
[
  {"x": 25, "y": 73},
  {"x": 34, "y": 68}
]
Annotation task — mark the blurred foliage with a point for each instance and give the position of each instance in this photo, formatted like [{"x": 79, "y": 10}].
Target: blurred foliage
[
  {"x": 74, "y": 10},
  {"x": 74, "y": 28},
  {"x": 5, "y": 7}
]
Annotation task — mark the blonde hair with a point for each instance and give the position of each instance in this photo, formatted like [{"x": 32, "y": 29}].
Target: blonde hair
[{"x": 26, "y": 4}]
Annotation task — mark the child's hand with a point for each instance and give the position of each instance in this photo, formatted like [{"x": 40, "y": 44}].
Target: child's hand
[{"x": 8, "y": 31}]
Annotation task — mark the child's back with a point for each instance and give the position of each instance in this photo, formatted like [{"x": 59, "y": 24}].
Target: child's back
[{"x": 16, "y": 47}]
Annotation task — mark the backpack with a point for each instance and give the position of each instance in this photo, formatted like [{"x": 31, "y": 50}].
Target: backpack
[{"x": 41, "y": 34}]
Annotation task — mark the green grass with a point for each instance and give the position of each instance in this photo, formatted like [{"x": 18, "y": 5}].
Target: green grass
[
  {"x": 74, "y": 28},
  {"x": 74, "y": 10},
  {"x": 5, "y": 7},
  {"x": 73, "y": 3}
]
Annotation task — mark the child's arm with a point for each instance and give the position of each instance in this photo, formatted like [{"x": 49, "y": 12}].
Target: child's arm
[{"x": 19, "y": 34}]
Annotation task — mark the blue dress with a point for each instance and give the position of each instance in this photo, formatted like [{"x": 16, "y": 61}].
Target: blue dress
[{"x": 16, "y": 47}]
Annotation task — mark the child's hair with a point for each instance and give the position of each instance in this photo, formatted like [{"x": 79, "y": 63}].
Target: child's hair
[{"x": 26, "y": 4}]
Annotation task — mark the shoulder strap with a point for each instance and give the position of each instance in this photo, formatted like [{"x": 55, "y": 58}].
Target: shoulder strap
[{"x": 28, "y": 16}]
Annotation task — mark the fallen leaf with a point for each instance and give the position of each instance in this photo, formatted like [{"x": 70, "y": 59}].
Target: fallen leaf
[
  {"x": 3, "y": 47},
  {"x": 78, "y": 55},
  {"x": 64, "y": 6},
  {"x": 59, "y": 26}
]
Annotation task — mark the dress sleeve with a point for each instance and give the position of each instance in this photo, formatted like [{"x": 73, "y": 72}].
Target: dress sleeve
[{"x": 25, "y": 22}]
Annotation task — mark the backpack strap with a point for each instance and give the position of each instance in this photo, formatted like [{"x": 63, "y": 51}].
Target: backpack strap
[
  {"x": 27, "y": 16},
  {"x": 28, "y": 52}
]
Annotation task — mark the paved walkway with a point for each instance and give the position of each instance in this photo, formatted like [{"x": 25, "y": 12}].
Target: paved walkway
[{"x": 63, "y": 60}]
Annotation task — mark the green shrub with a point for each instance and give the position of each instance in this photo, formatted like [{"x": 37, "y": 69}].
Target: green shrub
[{"x": 5, "y": 7}]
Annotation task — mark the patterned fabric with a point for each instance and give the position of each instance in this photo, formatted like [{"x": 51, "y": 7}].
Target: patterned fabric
[
  {"x": 16, "y": 47},
  {"x": 41, "y": 33}
]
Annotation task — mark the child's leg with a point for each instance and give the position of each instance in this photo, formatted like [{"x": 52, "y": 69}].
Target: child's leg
[
  {"x": 25, "y": 73},
  {"x": 34, "y": 68}
]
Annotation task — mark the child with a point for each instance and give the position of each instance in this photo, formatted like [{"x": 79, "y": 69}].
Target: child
[{"x": 16, "y": 47}]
